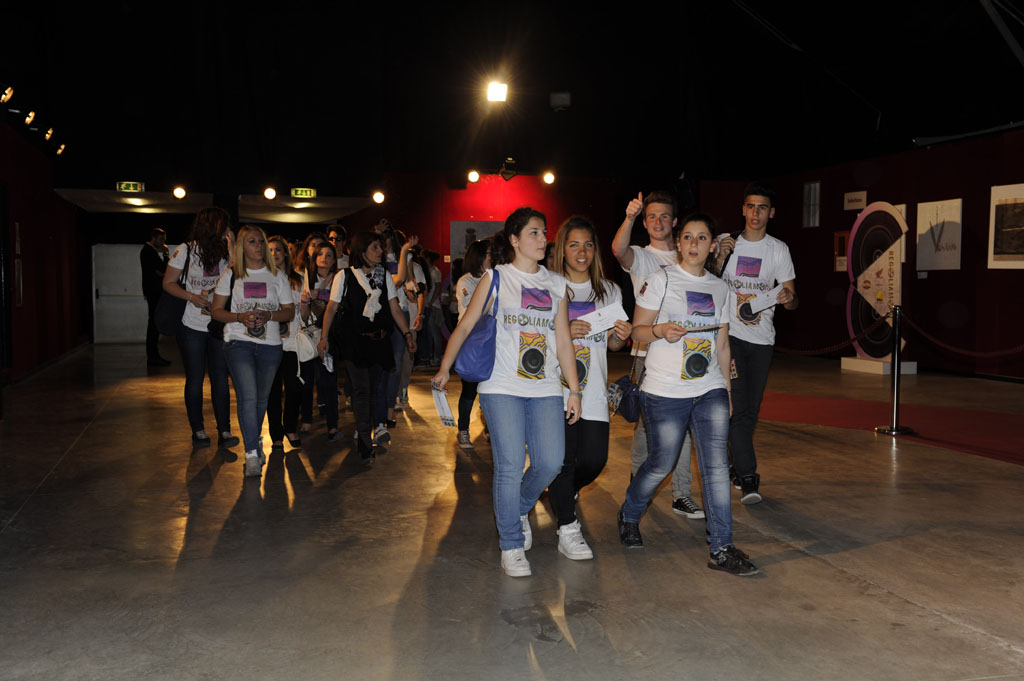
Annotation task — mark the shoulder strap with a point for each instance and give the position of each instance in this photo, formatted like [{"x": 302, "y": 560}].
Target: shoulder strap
[
  {"x": 183, "y": 277},
  {"x": 493, "y": 291}
]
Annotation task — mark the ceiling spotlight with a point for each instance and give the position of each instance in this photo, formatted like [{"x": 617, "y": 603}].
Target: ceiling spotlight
[
  {"x": 31, "y": 117},
  {"x": 378, "y": 197},
  {"x": 179, "y": 192},
  {"x": 270, "y": 193},
  {"x": 60, "y": 150},
  {"x": 549, "y": 177},
  {"x": 473, "y": 176},
  {"x": 508, "y": 169},
  {"x": 48, "y": 135},
  {"x": 6, "y": 96},
  {"x": 497, "y": 92}
]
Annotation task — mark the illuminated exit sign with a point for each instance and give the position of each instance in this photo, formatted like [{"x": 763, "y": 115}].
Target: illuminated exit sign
[
  {"x": 303, "y": 193},
  {"x": 131, "y": 186}
]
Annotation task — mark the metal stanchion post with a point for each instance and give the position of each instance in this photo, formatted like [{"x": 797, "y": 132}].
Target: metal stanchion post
[{"x": 895, "y": 428}]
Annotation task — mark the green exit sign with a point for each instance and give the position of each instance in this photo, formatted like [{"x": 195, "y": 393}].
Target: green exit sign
[
  {"x": 131, "y": 186},
  {"x": 303, "y": 193}
]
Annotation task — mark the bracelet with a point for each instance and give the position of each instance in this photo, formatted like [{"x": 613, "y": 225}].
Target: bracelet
[
  {"x": 653, "y": 333},
  {"x": 408, "y": 333},
  {"x": 576, "y": 393},
  {"x": 237, "y": 319}
]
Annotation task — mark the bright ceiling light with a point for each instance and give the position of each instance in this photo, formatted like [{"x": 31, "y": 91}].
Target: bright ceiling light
[
  {"x": 270, "y": 193},
  {"x": 497, "y": 92},
  {"x": 60, "y": 150},
  {"x": 31, "y": 117},
  {"x": 473, "y": 176},
  {"x": 179, "y": 192},
  {"x": 48, "y": 135},
  {"x": 378, "y": 197},
  {"x": 6, "y": 96},
  {"x": 549, "y": 177}
]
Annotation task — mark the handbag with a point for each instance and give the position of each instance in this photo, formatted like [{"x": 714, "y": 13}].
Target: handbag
[
  {"x": 475, "y": 360},
  {"x": 624, "y": 394},
  {"x": 170, "y": 309}
]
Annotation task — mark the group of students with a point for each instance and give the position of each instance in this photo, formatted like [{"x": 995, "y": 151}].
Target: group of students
[
  {"x": 703, "y": 359},
  {"x": 277, "y": 333}
]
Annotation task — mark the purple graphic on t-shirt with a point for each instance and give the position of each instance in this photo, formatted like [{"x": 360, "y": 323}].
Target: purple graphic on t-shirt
[
  {"x": 700, "y": 304},
  {"x": 254, "y": 289},
  {"x": 323, "y": 293},
  {"x": 578, "y": 309},
  {"x": 536, "y": 299},
  {"x": 211, "y": 271},
  {"x": 748, "y": 267}
]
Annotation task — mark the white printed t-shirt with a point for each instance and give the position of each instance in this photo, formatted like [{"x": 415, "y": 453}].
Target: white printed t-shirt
[
  {"x": 464, "y": 291},
  {"x": 756, "y": 266},
  {"x": 258, "y": 290},
  {"x": 647, "y": 261},
  {"x": 526, "y": 357},
  {"x": 688, "y": 367},
  {"x": 591, "y": 351},
  {"x": 198, "y": 279}
]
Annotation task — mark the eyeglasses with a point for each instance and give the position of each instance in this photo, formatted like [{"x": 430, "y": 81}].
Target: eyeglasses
[{"x": 334, "y": 238}]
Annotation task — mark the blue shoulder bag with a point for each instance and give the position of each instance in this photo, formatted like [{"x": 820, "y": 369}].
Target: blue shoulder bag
[{"x": 475, "y": 360}]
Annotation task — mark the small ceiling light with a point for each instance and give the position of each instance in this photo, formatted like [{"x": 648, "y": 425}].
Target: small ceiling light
[
  {"x": 60, "y": 150},
  {"x": 48, "y": 135},
  {"x": 473, "y": 176},
  {"x": 179, "y": 192},
  {"x": 378, "y": 197},
  {"x": 549, "y": 177},
  {"x": 6, "y": 96},
  {"x": 497, "y": 92},
  {"x": 270, "y": 193},
  {"x": 31, "y": 117}
]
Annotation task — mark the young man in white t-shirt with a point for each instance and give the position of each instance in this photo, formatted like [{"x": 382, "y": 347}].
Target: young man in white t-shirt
[
  {"x": 753, "y": 262},
  {"x": 659, "y": 217}
]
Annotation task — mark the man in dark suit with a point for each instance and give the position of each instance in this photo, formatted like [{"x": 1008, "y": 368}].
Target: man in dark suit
[{"x": 153, "y": 259}]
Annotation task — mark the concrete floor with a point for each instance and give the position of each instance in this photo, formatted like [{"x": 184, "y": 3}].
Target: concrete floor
[{"x": 124, "y": 554}]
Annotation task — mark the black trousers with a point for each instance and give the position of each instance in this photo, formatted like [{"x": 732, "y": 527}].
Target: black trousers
[
  {"x": 586, "y": 453},
  {"x": 753, "y": 362},
  {"x": 152, "y": 335},
  {"x": 466, "y": 399},
  {"x": 286, "y": 421},
  {"x": 365, "y": 381}
]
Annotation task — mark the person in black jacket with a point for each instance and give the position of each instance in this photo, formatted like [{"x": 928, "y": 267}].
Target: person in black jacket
[{"x": 153, "y": 259}]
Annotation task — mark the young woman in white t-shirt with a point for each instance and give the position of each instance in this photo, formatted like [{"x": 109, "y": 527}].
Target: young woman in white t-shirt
[
  {"x": 476, "y": 262},
  {"x": 522, "y": 399},
  {"x": 284, "y": 423},
  {"x": 260, "y": 297},
  {"x": 207, "y": 251},
  {"x": 577, "y": 257},
  {"x": 317, "y": 281},
  {"x": 683, "y": 312}
]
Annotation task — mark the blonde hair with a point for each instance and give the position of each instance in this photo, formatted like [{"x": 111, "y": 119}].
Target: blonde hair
[{"x": 238, "y": 257}]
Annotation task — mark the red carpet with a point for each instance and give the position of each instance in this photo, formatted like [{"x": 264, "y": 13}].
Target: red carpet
[{"x": 984, "y": 433}]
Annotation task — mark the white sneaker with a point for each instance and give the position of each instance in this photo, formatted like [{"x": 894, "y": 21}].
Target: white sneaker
[
  {"x": 253, "y": 465},
  {"x": 514, "y": 563},
  {"x": 464, "y": 440},
  {"x": 527, "y": 532},
  {"x": 571, "y": 543},
  {"x": 405, "y": 396},
  {"x": 381, "y": 436}
]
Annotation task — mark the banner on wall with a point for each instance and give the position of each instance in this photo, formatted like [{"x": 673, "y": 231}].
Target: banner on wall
[
  {"x": 938, "y": 235},
  {"x": 1006, "y": 227},
  {"x": 465, "y": 232}
]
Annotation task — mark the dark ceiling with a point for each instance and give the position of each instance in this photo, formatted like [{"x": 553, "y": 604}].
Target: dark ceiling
[{"x": 227, "y": 99}]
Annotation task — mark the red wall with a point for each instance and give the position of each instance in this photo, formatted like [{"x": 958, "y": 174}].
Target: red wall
[
  {"x": 56, "y": 311},
  {"x": 973, "y": 308}
]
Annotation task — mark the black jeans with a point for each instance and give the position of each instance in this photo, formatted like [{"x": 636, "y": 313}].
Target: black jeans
[
  {"x": 586, "y": 453},
  {"x": 288, "y": 420},
  {"x": 752, "y": 364},
  {"x": 152, "y": 335},
  {"x": 466, "y": 399},
  {"x": 314, "y": 371},
  {"x": 365, "y": 383}
]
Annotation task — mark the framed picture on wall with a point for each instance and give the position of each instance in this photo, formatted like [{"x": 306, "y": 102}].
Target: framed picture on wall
[
  {"x": 465, "y": 232},
  {"x": 1006, "y": 228}
]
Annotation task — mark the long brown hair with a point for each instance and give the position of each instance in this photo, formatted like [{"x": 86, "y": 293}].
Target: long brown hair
[
  {"x": 596, "y": 272},
  {"x": 294, "y": 278},
  {"x": 208, "y": 230}
]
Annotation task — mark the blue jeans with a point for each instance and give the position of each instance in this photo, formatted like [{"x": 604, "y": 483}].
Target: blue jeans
[
  {"x": 707, "y": 417},
  {"x": 515, "y": 423},
  {"x": 253, "y": 367},
  {"x": 202, "y": 354},
  {"x": 387, "y": 391}
]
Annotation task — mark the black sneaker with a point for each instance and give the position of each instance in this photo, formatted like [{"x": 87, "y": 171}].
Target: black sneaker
[
  {"x": 629, "y": 534},
  {"x": 226, "y": 440},
  {"x": 200, "y": 439},
  {"x": 749, "y": 485},
  {"x": 732, "y": 560},
  {"x": 685, "y": 506}
]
